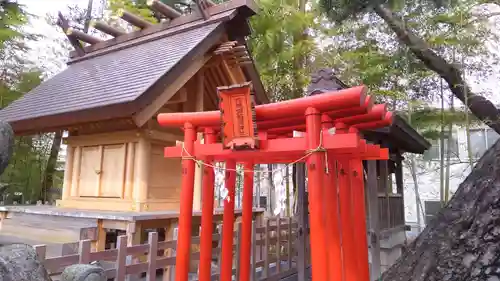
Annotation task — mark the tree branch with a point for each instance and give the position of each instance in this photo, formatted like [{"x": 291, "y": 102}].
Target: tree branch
[{"x": 481, "y": 107}]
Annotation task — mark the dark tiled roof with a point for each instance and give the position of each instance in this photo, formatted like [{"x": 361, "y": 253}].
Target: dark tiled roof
[{"x": 114, "y": 78}]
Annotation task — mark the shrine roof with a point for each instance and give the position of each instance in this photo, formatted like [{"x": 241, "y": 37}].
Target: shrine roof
[
  {"x": 118, "y": 77},
  {"x": 399, "y": 136}
]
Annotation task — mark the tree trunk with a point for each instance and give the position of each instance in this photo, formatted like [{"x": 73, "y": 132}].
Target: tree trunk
[
  {"x": 418, "y": 202},
  {"x": 461, "y": 242},
  {"x": 481, "y": 107},
  {"x": 6, "y": 145},
  {"x": 448, "y": 157},
  {"x": 441, "y": 152},
  {"x": 48, "y": 178}
]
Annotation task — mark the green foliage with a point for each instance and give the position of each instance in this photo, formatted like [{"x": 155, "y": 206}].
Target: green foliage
[
  {"x": 18, "y": 76},
  {"x": 428, "y": 120},
  {"x": 281, "y": 48},
  {"x": 12, "y": 16},
  {"x": 139, "y": 7},
  {"x": 26, "y": 167},
  {"x": 361, "y": 48},
  {"x": 365, "y": 51},
  {"x": 340, "y": 10}
]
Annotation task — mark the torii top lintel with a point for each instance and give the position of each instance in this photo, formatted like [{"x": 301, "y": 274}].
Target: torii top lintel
[
  {"x": 347, "y": 110},
  {"x": 351, "y": 106}
]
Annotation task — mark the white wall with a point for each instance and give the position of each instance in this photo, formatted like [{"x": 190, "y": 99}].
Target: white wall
[{"x": 428, "y": 172}]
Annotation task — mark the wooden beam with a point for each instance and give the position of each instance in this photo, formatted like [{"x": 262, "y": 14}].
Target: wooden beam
[
  {"x": 168, "y": 28},
  {"x": 373, "y": 219},
  {"x": 163, "y": 9},
  {"x": 204, "y": 12},
  {"x": 234, "y": 72},
  {"x": 145, "y": 114},
  {"x": 129, "y": 172},
  {"x": 181, "y": 97},
  {"x": 211, "y": 83},
  {"x": 108, "y": 29},
  {"x": 68, "y": 172},
  {"x": 64, "y": 24},
  {"x": 213, "y": 79},
  {"x": 75, "y": 180},
  {"x": 162, "y": 136},
  {"x": 199, "y": 90},
  {"x": 82, "y": 36},
  {"x": 133, "y": 19},
  {"x": 221, "y": 77},
  {"x": 399, "y": 173},
  {"x": 141, "y": 172},
  {"x": 210, "y": 103},
  {"x": 103, "y": 138},
  {"x": 225, "y": 47},
  {"x": 166, "y": 110},
  {"x": 209, "y": 3},
  {"x": 383, "y": 187}
]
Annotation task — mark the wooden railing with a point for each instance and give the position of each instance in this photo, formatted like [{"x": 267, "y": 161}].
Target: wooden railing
[{"x": 273, "y": 254}]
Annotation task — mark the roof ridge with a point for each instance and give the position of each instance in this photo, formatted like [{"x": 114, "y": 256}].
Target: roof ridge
[
  {"x": 152, "y": 37},
  {"x": 207, "y": 12}
]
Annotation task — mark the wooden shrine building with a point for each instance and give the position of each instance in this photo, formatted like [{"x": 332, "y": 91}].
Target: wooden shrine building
[{"x": 108, "y": 98}]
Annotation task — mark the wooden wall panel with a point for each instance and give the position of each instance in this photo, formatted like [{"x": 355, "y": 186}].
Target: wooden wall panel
[
  {"x": 89, "y": 171},
  {"x": 164, "y": 176},
  {"x": 113, "y": 171}
]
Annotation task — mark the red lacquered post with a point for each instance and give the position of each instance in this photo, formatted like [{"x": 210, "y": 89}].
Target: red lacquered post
[
  {"x": 359, "y": 214},
  {"x": 207, "y": 212},
  {"x": 346, "y": 214},
  {"x": 335, "y": 267},
  {"x": 246, "y": 228},
  {"x": 315, "y": 169},
  {"x": 186, "y": 206},
  {"x": 359, "y": 220},
  {"x": 346, "y": 221},
  {"x": 226, "y": 269}
]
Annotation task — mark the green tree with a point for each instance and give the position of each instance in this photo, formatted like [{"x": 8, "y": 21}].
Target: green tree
[
  {"x": 455, "y": 245},
  {"x": 27, "y": 165},
  {"x": 281, "y": 47},
  {"x": 459, "y": 18},
  {"x": 18, "y": 75},
  {"x": 12, "y": 17}
]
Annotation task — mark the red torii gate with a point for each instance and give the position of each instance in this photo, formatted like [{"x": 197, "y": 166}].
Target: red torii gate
[{"x": 339, "y": 249}]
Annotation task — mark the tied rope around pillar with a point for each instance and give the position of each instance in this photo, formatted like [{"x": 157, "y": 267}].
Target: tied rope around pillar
[{"x": 309, "y": 152}]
